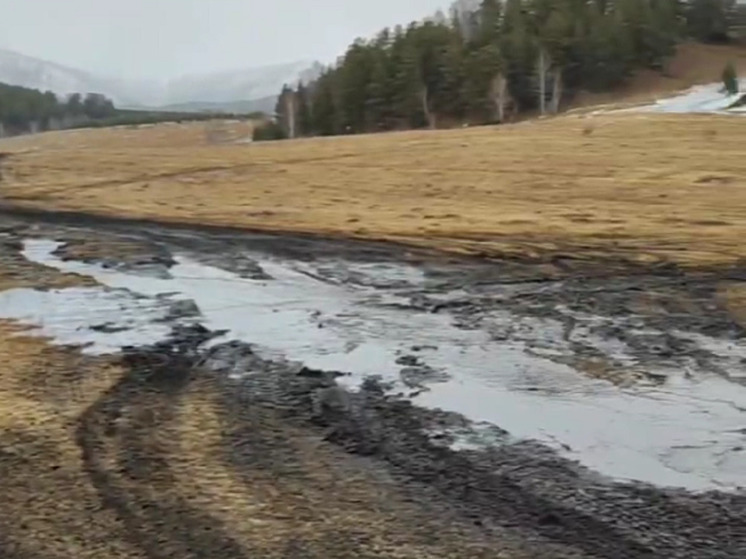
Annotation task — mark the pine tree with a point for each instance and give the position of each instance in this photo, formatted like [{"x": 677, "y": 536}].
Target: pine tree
[
  {"x": 304, "y": 124},
  {"x": 323, "y": 110},
  {"x": 708, "y": 20},
  {"x": 285, "y": 111}
]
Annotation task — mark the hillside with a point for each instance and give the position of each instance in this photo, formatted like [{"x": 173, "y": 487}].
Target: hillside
[
  {"x": 217, "y": 90},
  {"x": 34, "y": 73},
  {"x": 236, "y": 85},
  {"x": 499, "y": 62},
  {"x": 692, "y": 64},
  {"x": 264, "y": 105}
]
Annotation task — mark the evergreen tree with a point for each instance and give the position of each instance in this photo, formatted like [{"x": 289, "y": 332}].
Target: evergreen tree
[
  {"x": 75, "y": 104},
  {"x": 285, "y": 111},
  {"x": 323, "y": 109},
  {"x": 303, "y": 119},
  {"x": 708, "y": 20},
  {"x": 25, "y": 110}
]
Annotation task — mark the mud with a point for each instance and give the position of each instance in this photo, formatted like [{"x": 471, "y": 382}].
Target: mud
[
  {"x": 654, "y": 349},
  {"x": 511, "y": 489}
]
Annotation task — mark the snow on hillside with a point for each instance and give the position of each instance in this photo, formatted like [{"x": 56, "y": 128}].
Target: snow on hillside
[
  {"x": 19, "y": 69},
  {"x": 708, "y": 98},
  {"x": 250, "y": 83},
  {"x": 225, "y": 87}
]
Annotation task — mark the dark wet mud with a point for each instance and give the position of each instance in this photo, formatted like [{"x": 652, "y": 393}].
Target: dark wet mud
[
  {"x": 521, "y": 492},
  {"x": 627, "y": 333}
]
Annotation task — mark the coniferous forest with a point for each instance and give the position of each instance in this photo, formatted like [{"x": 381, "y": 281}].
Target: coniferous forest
[
  {"x": 24, "y": 110},
  {"x": 488, "y": 61},
  {"x": 29, "y": 110}
]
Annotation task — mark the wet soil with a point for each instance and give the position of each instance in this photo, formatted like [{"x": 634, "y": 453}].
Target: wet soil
[
  {"x": 378, "y": 451},
  {"x": 521, "y": 493},
  {"x": 17, "y": 271}
]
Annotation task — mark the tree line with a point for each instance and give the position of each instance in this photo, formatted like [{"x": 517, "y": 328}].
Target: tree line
[
  {"x": 29, "y": 110},
  {"x": 489, "y": 60},
  {"x": 24, "y": 110}
]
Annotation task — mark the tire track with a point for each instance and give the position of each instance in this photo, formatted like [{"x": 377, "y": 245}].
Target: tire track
[{"x": 132, "y": 476}]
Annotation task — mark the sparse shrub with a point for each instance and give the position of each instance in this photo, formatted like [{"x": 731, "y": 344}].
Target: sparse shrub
[
  {"x": 268, "y": 131},
  {"x": 730, "y": 79}
]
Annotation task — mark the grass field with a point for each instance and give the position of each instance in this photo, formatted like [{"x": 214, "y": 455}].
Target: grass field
[{"x": 639, "y": 186}]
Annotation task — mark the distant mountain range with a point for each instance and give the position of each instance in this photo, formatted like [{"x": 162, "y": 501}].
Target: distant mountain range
[
  {"x": 243, "y": 90},
  {"x": 263, "y": 105}
]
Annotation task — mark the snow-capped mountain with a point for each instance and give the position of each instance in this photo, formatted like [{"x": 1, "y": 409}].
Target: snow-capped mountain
[
  {"x": 209, "y": 89},
  {"x": 26, "y": 71},
  {"x": 250, "y": 83}
]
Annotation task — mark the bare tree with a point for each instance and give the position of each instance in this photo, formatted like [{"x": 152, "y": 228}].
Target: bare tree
[
  {"x": 557, "y": 90},
  {"x": 290, "y": 107},
  {"x": 543, "y": 67},
  {"x": 429, "y": 115},
  {"x": 499, "y": 95}
]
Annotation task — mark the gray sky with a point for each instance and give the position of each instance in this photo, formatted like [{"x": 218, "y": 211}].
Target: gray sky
[{"x": 152, "y": 38}]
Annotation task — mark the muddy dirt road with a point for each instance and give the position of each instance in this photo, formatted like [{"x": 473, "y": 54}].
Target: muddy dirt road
[{"x": 297, "y": 397}]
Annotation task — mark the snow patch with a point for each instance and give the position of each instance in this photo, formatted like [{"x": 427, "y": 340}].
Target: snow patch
[{"x": 706, "y": 99}]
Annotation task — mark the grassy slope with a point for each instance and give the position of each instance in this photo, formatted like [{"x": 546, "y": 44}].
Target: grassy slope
[{"x": 642, "y": 185}]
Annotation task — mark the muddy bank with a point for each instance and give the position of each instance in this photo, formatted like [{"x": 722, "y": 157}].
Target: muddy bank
[
  {"x": 131, "y": 456},
  {"x": 535, "y": 263},
  {"x": 519, "y": 491},
  {"x": 126, "y": 451},
  {"x": 477, "y": 388}
]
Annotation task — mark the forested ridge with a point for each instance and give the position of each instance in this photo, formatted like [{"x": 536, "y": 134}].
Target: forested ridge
[
  {"x": 29, "y": 110},
  {"x": 487, "y": 61},
  {"x": 24, "y": 110}
]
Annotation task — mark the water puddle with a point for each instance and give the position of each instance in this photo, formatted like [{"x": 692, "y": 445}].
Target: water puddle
[
  {"x": 687, "y": 432},
  {"x": 102, "y": 321}
]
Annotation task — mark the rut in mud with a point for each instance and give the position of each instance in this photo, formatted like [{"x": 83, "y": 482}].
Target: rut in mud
[
  {"x": 162, "y": 524},
  {"x": 514, "y": 488},
  {"x": 655, "y": 349},
  {"x": 124, "y": 435}
]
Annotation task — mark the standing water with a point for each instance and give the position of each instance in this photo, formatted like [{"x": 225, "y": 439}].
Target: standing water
[{"x": 686, "y": 433}]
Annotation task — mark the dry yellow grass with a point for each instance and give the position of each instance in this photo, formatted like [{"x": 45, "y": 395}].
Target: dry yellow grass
[
  {"x": 54, "y": 508},
  {"x": 642, "y": 186},
  {"x": 18, "y": 272},
  {"x": 50, "y": 508}
]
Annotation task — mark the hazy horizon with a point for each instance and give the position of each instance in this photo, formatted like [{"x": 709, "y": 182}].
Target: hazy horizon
[{"x": 164, "y": 39}]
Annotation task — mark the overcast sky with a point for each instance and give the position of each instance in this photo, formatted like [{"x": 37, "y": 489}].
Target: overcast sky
[{"x": 166, "y": 38}]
